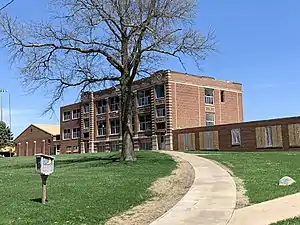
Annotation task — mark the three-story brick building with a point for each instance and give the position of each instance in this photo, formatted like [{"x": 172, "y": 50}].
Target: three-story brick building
[{"x": 165, "y": 101}]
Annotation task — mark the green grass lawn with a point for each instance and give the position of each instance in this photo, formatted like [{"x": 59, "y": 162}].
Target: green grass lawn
[
  {"x": 294, "y": 221},
  {"x": 261, "y": 172},
  {"x": 84, "y": 189}
]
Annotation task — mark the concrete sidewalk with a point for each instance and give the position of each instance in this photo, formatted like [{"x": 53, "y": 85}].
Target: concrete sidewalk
[
  {"x": 211, "y": 199},
  {"x": 268, "y": 212}
]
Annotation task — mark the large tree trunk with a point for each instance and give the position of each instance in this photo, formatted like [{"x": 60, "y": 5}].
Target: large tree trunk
[{"x": 127, "y": 153}]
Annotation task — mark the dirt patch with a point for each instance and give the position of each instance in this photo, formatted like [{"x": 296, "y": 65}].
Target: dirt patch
[
  {"x": 241, "y": 197},
  {"x": 166, "y": 192}
]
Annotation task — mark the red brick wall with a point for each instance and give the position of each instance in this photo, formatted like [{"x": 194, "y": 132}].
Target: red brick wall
[
  {"x": 188, "y": 98},
  {"x": 248, "y": 134},
  {"x": 186, "y": 106},
  {"x": 30, "y": 135},
  {"x": 73, "y": 123}
]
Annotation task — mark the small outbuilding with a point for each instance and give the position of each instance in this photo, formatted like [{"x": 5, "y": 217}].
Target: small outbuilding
[{"x": 38, "y": 139}]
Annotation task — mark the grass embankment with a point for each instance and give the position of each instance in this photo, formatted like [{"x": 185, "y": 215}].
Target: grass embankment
[
  {"x": 84, "y": 189},
  {"x": 261, "y": 172},
  {"x": 295, "y": 221}
]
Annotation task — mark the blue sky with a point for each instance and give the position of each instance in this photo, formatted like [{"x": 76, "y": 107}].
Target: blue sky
[{"x": 258, "y": 46}]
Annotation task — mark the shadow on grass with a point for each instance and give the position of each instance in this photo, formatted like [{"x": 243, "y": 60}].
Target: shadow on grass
[
  {"x": 64, "y": 162},
  {"x": 38, "y": 200}
]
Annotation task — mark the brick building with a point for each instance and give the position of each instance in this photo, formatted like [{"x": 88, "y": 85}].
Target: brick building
[
  {"x": 163, "y": 102},
  {"x": 266, "y": 135},
  {"x": 38, "y": 138}
]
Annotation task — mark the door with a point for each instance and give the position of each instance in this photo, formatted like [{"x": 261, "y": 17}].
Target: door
[{"x": 161, "y": 142}]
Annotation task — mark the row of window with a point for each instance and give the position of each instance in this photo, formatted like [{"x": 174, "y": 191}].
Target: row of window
[
  {"x": 74, "y": 114},
  {"x": 144, "y": 97},
  {"x": 209, "y": 96},
  {"x": 113, "y": 147},
  {"x": 269, "y": 136},
  {"x": 74, "y": 133},
  {"x": 114, "y": 127},
  {"x": 72, "y": 149}
]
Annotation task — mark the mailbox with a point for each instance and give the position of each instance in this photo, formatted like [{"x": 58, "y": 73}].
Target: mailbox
[{"x": 44, "y": 164}]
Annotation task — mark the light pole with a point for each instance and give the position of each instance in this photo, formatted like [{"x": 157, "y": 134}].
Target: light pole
[
  {"x": 1, "y": 105},
  {"x": 1, "y": 102}
]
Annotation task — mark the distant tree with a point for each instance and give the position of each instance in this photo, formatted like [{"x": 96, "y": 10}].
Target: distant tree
[
  {"x": 6, "y": 136},
  {"x": 91, "y": 42}
]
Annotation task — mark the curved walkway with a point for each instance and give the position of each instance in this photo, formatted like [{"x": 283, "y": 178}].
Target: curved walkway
[{"x": 211, "y": 199}]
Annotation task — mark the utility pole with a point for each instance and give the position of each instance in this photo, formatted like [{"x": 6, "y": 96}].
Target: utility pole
[
  {"x": 1, "y": 103},
  {"x": 9, "y": 105}
]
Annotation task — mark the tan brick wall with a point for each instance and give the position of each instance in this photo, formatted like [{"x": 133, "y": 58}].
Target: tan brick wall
[
  {"x": 187, "y": 106},
  {"x": 188, "y": 97}
]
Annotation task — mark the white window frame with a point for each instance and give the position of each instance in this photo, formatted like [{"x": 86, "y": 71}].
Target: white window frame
[
  {"x": 100, "y": 147},
  {"x": 209, "y": 99},
  {"x": 102, "y": 128},
  {"x": 114, "y": 146},
  {"x": 77, "y": 131},
  {"x": 101, "y": 107},
  {"x": 207, "y": 122},
  {"x": 161, "y": 111},
  {"x": 268, "y": 136},
  {"x": 84, "y": 125},
  {"x": 75, "y": 148},
  {"x": 236, "y": 137},
  {"x": 69, "y": 134},
  {"x": 144, "y": 99},
  {"x": 76, "y": 115},
  {"x": 158, "y": 86},
  {"x": 144, "y": 124},
  {"x": 86, "y": 108},
  {"x": 69, "y": 147},
  {"x": 114, "y": 128},
  {"x": 65, "y": 116},
  {"x": 114, "y": 104}
]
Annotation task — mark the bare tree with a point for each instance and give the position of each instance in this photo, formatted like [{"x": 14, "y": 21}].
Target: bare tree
[
  {"x": 91, "y": 42},
  {"x": 6, "y": 5}
]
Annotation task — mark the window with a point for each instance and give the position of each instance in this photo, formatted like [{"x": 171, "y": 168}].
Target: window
[
  {"x": 161, "y": 126},
  {"x": 86, "y": 108},
  {"x": 115, "y": 126},
  {"x": 210, "y": 119},
  {"x": 101, "y": 106},
  {"x": 86, "y": 135},
  {"x": 160, "y": 110},
  {"x": 144, "y": 97},
  {"x": 222, "y": 96},
  {"x": 67, "y": 116},
  {"x": 160, "y": 91},
  {"x": 76, "y": 133},
  {"x": 208, "y": 140},
  {"x": 76, "y": 114},
  {"x": 145, "y": 122},
  {"x": 100, "y": 147},
  {"x": 145, "y": 144},
  {"x": 101, "y": 128},
  {"x": 114, "y": 146},
  {"x": 69, "y": 149},
  {"x": 75, "y": 148},
  {"x": 209, "y": 96},
  {"x": 86, "y": 124},
  {"x": 56, "y": 138},
  {"x": 268, "y": 136},
  {"x": 67, "y": 134},
  {"x": 114, "y": 104},
  {"x": 236, "y": 136}
]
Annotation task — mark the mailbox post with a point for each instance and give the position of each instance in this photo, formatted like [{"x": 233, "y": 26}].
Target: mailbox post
[{"x": 44, "y": 166}]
